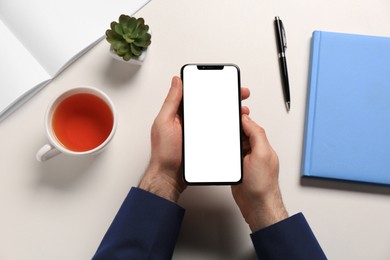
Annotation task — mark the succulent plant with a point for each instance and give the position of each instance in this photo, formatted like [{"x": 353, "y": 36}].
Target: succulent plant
[{"x": 129, "y": 38}]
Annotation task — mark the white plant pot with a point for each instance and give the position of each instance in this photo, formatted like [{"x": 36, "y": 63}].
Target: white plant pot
[{"x": 135, "y": 60}]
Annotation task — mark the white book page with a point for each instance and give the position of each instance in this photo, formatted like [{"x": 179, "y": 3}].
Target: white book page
[
  {"x": 55, "y": 31},
  {"x": 19, "y": 71}
]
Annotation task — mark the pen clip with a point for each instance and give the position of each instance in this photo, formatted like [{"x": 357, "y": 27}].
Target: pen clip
[{"x": 284, "y": 38}]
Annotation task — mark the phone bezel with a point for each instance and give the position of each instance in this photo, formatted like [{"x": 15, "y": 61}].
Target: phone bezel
[{"x": 216, "y": 66}]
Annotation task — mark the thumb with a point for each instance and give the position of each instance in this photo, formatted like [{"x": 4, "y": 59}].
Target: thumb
[
  {"x": 172, "y": 101},
  {"x": 254, "y": 132}
]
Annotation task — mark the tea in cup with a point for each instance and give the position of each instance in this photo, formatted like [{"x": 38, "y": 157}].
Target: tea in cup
[{"x": 81, "y": 121}]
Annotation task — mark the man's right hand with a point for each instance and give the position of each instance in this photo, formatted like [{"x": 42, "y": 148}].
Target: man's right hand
[{"x": 258, "y": 196}]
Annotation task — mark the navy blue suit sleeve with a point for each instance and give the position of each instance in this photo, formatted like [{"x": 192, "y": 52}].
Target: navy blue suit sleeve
[
  {"x": 145, "y": 227},
  {"x": 291, "y": 238}
]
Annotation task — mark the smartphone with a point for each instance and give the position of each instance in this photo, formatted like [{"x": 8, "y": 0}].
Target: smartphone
[{"x": 211, "y": 119}]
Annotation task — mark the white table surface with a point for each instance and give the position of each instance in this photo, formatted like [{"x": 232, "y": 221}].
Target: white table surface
[{"x": 61, "y": 209}]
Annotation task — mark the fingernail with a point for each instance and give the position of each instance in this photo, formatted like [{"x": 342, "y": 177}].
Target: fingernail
[{"x": 247, "y": 117}]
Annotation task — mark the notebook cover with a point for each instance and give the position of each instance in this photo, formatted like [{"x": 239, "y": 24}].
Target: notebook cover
[{"x": 347, "y": 131}]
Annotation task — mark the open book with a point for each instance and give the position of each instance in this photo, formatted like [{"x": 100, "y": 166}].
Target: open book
[{"x": 40, "y": 38}]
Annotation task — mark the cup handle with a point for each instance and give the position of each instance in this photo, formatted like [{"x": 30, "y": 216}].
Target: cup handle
[{"x": 47, "y": 152}]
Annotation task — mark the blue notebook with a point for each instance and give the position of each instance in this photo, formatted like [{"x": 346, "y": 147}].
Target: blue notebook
[{"x": 347, "y": 131}]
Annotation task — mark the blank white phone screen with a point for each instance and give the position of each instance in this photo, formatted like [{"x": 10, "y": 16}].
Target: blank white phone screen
[{"x": 211, "y": 121}]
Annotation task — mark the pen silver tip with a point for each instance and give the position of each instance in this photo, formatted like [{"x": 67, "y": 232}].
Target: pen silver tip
[{"x": 288, "y": 106}]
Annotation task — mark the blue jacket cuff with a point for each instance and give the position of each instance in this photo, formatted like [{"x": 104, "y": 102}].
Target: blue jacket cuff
[
  {"x": 145, "y": 227},
  {"x": 291, "y": 238}
]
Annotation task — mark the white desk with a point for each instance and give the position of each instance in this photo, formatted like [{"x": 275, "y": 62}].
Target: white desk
[{"x": 62, "y": 208}]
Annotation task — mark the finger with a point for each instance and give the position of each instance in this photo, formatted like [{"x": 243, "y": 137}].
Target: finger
[
  {"x": 245, "y": 145},
  {"x": 245, "y": 110},
  {"x": 245, "y": 93},
  {"x": 254, "y": 132},
  {"x": 172, "y": 101}
]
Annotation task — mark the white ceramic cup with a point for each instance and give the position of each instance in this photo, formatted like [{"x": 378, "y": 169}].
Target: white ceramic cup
[{"x": 55, "y": 146}]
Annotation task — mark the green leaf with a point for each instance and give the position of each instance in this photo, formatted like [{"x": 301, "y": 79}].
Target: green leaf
[
  {"x": 147, "y": 44},
  {"x": 128, "y": 38},
  {"x": 145, "y": 31},
  {"x": 124, "y": 19},
  {"x": 134, "y": 35},
  {"x": 137, "y": 51},
  {"x": 140, "y": 29},
  {"x": 123, "y": 50},
  {"x": 126, "y": 30},
  {"x": 140, "y": 21},
  {"x": 112, "y": 41},
  {"x": 144, "y": 41},
  {"x": 118, "y": 45},
  {"x": 113, "y": 35},
  {"x": 148, "y": 37},
  {"x": 140, "y": 42},
  {"x": 112, "y": 25},
  {"x": 132, "y": 24},
  {"x": 127, "y": 56},
  {"x": 118, "y": 29}
]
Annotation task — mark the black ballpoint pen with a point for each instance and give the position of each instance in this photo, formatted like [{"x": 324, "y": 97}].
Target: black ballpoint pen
[{"x": 282, "y": 46}]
